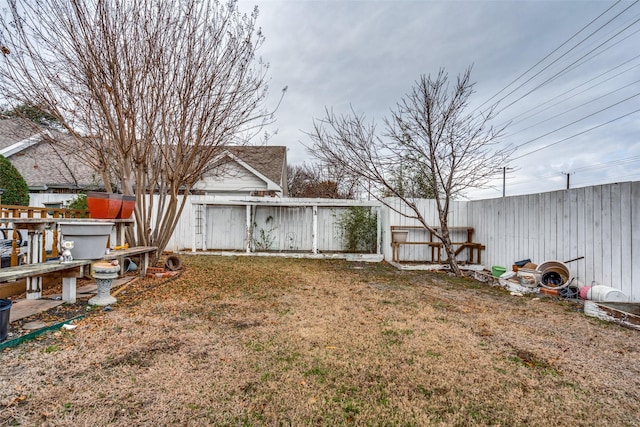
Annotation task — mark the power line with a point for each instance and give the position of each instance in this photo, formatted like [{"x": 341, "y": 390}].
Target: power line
[
  {"x": 624, "y": 161},
  {"x": 576, "y": 87},
  {"x": 552, "y": 52},
  {"x": 575, "y": 121},
  {"x": 574, "y": 108},
  {"x": 577, "y": 134},
  {"x": 567, "y": 67},
  {"x": 570, "y": 68}
]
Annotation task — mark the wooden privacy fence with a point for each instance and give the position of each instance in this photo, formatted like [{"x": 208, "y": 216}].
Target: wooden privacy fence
[
  {"x": 600, "y": 223},
  {"x": 270, "y": 224}
]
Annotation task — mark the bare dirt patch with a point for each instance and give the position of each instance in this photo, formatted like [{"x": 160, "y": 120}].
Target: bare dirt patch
[{"x": 261, "y": 341}]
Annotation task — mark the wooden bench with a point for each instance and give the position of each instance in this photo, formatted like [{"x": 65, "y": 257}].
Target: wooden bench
[
  {"x": 69, "y": 271},
  {"x": 436, "y": 247},
  {"x": 33, "y": 274}
]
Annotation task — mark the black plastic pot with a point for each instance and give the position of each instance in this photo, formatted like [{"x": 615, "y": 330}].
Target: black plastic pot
[{"x": 5, "y": 311}]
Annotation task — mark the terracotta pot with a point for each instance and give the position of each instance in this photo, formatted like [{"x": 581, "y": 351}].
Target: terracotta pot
[
  {"x": 128, "y": 205},
  {"x": 104, "y": 205}
]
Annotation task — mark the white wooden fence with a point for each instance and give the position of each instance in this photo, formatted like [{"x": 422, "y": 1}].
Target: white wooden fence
[{"x": 600, "y": 223}]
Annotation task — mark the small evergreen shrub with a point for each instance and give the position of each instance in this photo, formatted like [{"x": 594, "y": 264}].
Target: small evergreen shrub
[{"x": 15, "y": 189}]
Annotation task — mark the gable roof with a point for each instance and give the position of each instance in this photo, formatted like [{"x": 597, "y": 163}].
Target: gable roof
[
  {"x": 45, "y": 165},
  {"x": 270, "y": 161}
]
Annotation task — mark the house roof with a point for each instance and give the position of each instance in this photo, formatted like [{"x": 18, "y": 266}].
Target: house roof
[
  {"x": 270, "y": 161},
  {"x": 43, "y": 164},
  {"x": 47, "y": 165}
]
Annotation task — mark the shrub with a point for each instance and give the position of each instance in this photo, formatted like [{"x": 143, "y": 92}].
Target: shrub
[
  {"x": 359, "y": 229},
  {"x": 79, "y": 202},
  {"x": 15, "y": 189}
]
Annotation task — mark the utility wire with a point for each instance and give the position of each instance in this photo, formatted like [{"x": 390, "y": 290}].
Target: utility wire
[
  {"x": 567, "y": 67},
  {"x": 577, "y": 134},
  {"x": 574, "y": 108},
  {"x": 574, "y": 122},
  {"x": 574, "y": 88},
  {"x": 590, "y": 58},
  {"x": 550, "y": 54},
  {"x": 609, "y": 164}
]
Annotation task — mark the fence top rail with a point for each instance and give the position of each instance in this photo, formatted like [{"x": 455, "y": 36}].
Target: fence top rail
[
  {"x": 422, "y": 227},
  {"x": 13, "y": 211},
  {"x": 50, "y": 221},
  {"x": 289, "y": 202}
]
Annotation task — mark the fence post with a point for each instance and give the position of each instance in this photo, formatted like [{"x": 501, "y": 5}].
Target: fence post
[
  {"x": 248, "y": 209},
  {"x": 314, "y": 235}
]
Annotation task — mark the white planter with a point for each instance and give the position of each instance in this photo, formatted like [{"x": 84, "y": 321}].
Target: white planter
[
  {"x": 89, "y": 238},
  {"x": 399, "y": 236}
]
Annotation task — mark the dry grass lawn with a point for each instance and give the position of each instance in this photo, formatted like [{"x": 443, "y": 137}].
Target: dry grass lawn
[{"x": 265, "y": 341}]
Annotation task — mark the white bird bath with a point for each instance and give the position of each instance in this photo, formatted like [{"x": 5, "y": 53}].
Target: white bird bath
[{"x": 104, "y": 273}]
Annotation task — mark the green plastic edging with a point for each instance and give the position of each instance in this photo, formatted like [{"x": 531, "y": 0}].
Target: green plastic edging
[{"x": 31, "y": 335}]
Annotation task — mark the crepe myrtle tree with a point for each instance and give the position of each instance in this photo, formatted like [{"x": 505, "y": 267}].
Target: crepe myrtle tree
[
  {"x": 152, "y": 91},
  {"x": 432, "y": 132}
]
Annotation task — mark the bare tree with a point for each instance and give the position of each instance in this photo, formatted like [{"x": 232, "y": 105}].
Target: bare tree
[
  {"x": 432, "y": 133},
  {"x": 320, "y": 181},
  {"x": 151, "y": 90}
]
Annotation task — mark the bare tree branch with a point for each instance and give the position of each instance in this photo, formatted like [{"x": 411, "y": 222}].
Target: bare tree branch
[
  {"x": 153, "y": 89},
  {"x": 431, "y": 134}
]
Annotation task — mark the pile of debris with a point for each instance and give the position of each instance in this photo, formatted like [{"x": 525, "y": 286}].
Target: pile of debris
[{"x": 552, "y": 278}]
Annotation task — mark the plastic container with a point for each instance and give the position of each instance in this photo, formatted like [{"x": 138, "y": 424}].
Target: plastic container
[
  {"x": 554, "y": 275},
  {"x": 602, "y": 293},
  {"x": 128, "y": 205},
  {"x": 5, "y": 311},
  {"x": 399, "y": 236},
  {"x": 497, "y": 271},
  {"x": 104, "y": 205},
  {"x": 528, "y": 278},
  {"x": 89, "y": 238}
]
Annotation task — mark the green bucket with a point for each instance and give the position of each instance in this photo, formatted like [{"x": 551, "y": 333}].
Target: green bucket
[{"x": 497, "y": 271}]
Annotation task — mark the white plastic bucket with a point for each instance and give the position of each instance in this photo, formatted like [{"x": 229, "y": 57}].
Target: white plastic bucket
[{"x": 603, "y": 293}]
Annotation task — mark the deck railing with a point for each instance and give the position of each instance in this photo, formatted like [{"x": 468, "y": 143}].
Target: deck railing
[{"x": 14, "y": 211}]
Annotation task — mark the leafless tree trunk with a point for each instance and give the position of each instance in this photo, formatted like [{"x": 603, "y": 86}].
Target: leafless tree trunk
[
  {"x": 432, "y": 133},
  {"x": 152, "y": 90}
]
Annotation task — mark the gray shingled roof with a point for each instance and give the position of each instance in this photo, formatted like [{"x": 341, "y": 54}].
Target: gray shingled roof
[
  {"x": 50, "y": 165},
  {"x": 270, "y": 161},
  {"x": 14, "y": 130},
  {"x": 45, "y": 164}
]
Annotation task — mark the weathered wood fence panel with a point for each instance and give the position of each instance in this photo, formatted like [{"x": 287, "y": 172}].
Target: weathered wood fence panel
[
  {"x": 398, "y": 214},
  {"x": 599, "y": 223}
]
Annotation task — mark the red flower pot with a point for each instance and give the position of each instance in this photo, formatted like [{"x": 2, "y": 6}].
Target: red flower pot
[
  {"x": 104, "y": 205},
  {"x": 128, "y": 205}
]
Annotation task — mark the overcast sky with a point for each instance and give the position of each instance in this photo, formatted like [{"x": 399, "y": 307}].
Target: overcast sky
[{"x": 368, "y": 54}]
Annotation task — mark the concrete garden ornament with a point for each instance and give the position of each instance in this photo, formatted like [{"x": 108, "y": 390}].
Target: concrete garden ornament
[{"x": 66, "y": 257}]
